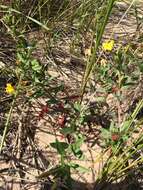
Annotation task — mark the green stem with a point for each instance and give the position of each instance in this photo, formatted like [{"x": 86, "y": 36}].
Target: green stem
[
  {"x": 91, "y": 65},
  {"x": 9, "y": 116}
]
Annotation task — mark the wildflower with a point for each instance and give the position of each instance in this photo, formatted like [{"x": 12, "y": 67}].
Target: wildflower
[
  {"x": 108, "y": 45},
  {"x": 9, "y": 89},
  {"x": 41, "y": 115},
  {"x": 44, "y": 110},
  {"x": 62, "y": 137},
  {"x": 115, "y": 89},
  {"x": 61, "y": 120},
  {"x": 60, "y": 106},
  {"x": 115, "y": 137}
]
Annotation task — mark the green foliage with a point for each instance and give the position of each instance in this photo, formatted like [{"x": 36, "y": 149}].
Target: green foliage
[
  {"x": 60, "y": 147},
  {"x": 84, "y": 22}
]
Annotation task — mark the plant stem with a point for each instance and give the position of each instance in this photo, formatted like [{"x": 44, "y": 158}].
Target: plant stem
[
  {"x": 9, "y": 115},
  {"x": 91, "y": 63}
]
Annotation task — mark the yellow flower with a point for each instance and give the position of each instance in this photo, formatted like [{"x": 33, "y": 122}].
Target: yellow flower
[
  {"x": 108, "y": 45},
  {"x": 9, "y": 89}
]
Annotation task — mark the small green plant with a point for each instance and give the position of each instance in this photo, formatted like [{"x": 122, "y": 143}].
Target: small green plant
[
  {"x": 115, "y": 65},
  {"x": 124, "y": 148},
  {"x": 63, "y": 170}
]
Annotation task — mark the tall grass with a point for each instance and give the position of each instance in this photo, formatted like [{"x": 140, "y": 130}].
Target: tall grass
[
  {"x": 125, "y": 160},
  {"x": 84, "y": 16},
  {"x": 100, "y": 28}
]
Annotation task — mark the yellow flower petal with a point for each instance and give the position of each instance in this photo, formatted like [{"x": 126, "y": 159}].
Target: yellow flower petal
[
  {"x": 9, "y": 89},
  {"x": 108, "y": 45}
]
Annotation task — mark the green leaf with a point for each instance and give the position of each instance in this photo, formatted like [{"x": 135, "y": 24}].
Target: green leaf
[
  {"x": 125, "y": 126},
  {"x": 68, "y": 130},
  {"x": 38, "y": 93},
  {"x": 36, "y": 66},
  {"x": 75, "y": 147},
  {"x": 20, "y": 57},
  {"x": 100, "y": 99},
  {"x": 35, "y": 78},
  {"x": 77, "y": 107},
  {"x": 105, "y": 133},
  {"x": 83, "y": 169},
  {"x": 52, "y": 101},
  {"x": 125, "y": 138},
  {"x": 141, "y": 67},
  {"x": 79, "y": 168},
  {"x": 60, "y": 146},
  {"x": 113, "y": 127}
]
